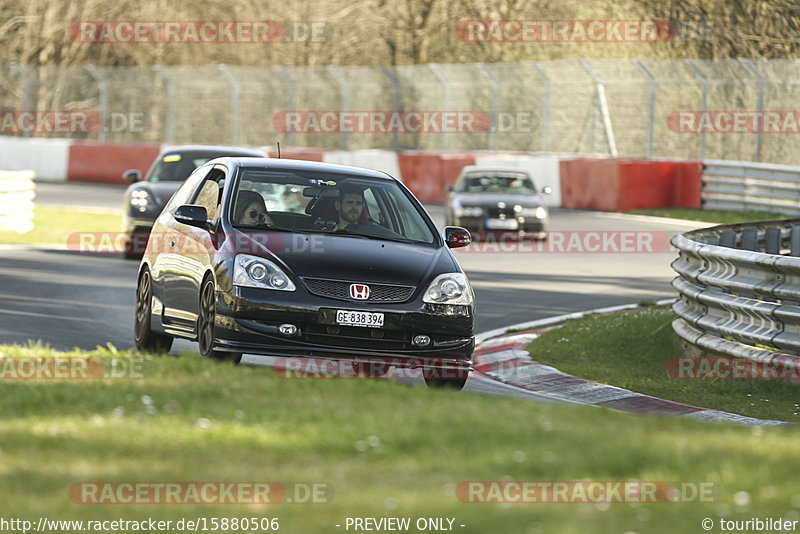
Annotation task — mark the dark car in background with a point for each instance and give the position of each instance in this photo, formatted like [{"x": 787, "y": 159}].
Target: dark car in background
[
  {"x": 296, "y": 280},
  {"x": 497, "y": 199},
  {"x": 144, "y": 199}
]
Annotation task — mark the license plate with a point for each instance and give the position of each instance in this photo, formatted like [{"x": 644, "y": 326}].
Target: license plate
[
  {"x": 357, "y": 318},
  {"x": 502, "y": 224}
]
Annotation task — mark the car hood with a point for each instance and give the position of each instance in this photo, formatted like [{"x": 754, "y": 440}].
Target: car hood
[
  {"x": 491, "y": 199},
  {"x": 353, "y": 258}
]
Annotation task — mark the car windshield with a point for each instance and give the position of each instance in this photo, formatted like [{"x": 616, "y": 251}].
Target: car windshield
[
  {"x": 497, "y": 183},
  {"x": 313, "y": 202}
]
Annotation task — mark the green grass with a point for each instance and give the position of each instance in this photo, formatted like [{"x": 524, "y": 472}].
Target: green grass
[
  {"x": 632, "y": 350},
  {"x": 53, "y": 225},
  {"x": 386, "y": 449},
  {"x": 712, "y": 216}
]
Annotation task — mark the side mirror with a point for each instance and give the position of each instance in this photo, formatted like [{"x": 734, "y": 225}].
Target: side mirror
[
  {"x": 449, "y": 188},
  {"x": 547, "y": 190},
  {"x": 456, "y": 237},
  {"x": 193, "y": 215},
  {"x": 132, "y": 175}
]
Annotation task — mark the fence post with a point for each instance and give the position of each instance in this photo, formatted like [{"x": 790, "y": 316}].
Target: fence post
[
  {"x": 103, "y": 89},
  {"x": 438, "y": 72},
  {"x": 545, "y": 104},
  {"x": 748, "y": 63},
  {"x": 345, "y": 88},
  {"x": 703, "y": 77},
  {"x": 26, "y": 90},
  {"x": 170, "y": 133},
  {"x": 603, "y": 103},
  {"x": 292, "y": 92},
  {"x": 235, "y": 88},
  {"x": 651, "y": 107},
  {"x": 494, "y": 119},
  {"x": 396, "y": 104}
]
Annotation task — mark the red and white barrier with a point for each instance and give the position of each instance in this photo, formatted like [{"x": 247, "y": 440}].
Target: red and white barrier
[
  {"x": 47, "y": 158},
  {"x": 577, "y": 182}
]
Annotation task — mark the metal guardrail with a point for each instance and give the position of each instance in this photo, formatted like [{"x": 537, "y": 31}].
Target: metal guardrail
[
  {"x": 739, "y": 287},
  {"x": 16, "y": 201},
  {"x": 741, "y": 185}
]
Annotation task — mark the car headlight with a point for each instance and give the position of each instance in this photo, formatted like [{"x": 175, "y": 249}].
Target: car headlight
[
  {"x": 253, "y": 271},
  {"x": 142, "y": 201},
  {"x": 539, "y": 212},
  {"x": 449, "y": 288},
  {"x": 469, "y": 211}
]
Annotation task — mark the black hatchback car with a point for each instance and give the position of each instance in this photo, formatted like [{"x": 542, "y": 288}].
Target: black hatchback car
[
  {"x": 145, "y": 198},
  {"x": 304, "y": 259}
]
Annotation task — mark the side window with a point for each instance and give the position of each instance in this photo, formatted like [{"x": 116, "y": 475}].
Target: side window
[
  {"x": 209, "y": 193},
  {"x": 185, "y": 191}
]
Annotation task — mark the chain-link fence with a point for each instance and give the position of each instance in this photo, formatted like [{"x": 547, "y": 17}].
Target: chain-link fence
[{"x": 731, "y": 109}]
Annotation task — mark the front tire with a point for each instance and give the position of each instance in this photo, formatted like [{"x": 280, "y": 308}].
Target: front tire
[
  {"x": 446, "y": 378},
  {"x": 205, "y": 325},
  {"x": 143, "y": 334}
]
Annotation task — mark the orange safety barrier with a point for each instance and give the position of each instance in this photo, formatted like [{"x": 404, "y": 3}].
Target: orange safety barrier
[
  {"x": 427, "y": 174},
  {"x": 105, "y": 162},
  {"x": 621, "y": 185}
]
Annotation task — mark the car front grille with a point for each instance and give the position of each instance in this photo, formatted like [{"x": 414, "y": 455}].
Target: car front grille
[{"x": 340, "y": 289}]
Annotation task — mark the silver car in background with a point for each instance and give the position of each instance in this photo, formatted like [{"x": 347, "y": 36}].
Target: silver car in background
[{"x": 497, "y": 199}]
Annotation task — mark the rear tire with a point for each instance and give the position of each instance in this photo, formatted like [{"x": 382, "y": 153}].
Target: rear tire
[
  {"x": 205, "y": 325},
  {"x": 143, "y": 334}
]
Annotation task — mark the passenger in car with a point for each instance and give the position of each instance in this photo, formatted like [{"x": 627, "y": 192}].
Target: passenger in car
[{"x": 251, "y": 208}]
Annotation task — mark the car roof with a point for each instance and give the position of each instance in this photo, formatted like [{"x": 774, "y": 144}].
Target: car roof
[
  {"x": 469, "y": 169},
  {"x": 234, "y": 150},
  {"x": 303, "y": 165}
]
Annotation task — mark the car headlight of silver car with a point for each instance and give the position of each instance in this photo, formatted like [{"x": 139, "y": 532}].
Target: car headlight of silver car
[
  {"x": 449, "y": 288},
  {"x": 539, "y": 212},
  {"x": 253, "y": 271}
]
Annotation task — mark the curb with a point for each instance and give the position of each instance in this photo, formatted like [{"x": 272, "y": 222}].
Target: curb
[{"x": 504, "y": 357}]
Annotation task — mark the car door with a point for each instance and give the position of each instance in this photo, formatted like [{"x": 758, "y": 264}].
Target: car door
[
  {"x": 193, "y": 250},
  {"x": 165, "y": 261}
]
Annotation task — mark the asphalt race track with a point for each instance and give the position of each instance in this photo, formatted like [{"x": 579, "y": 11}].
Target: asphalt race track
[{"x": 71, "y": 300}]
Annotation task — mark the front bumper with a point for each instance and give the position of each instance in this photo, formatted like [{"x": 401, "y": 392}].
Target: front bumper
[{"x": 248, "y": 320}]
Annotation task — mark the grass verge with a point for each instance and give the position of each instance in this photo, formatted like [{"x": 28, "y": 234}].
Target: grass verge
[
  {"x": 53, "y": 225},
  {"x": 385, "y": 450},
  {"x": 631, "y": 351},
  {"x": 712, "y": 216}
]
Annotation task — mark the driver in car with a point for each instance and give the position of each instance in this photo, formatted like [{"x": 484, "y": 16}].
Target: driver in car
[{"x": 350, "y": 206}]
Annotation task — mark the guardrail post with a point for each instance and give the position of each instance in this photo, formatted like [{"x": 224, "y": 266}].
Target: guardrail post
[{"x": 794, "y": 241}]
